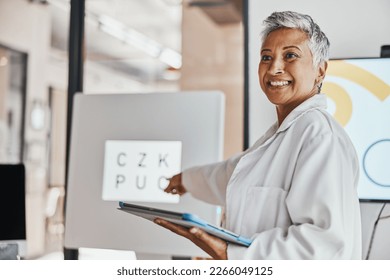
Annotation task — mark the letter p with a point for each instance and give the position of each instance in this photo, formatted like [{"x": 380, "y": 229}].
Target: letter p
[{"x": 120, "y": 179}]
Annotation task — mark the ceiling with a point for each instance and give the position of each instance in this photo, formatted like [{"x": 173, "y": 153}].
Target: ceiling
[
  {"x": 156, "y": 22},
  {"x": 141, "y": 38}
]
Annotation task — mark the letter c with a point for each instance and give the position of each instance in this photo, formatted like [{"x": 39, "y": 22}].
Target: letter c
[{"x": 121, "y": 163}]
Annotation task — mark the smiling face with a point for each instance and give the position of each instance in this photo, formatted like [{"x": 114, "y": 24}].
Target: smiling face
[{"x": 286, "y": 72}]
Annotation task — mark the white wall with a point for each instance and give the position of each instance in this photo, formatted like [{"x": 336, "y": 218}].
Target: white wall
[{"x": 354, "y": 28}]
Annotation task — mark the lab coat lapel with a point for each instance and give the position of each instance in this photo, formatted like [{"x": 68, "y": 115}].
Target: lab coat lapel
[{"x": 315, "y": 102}]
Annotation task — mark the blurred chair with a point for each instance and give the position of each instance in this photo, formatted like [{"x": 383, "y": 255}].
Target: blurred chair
[{"x": 54, "y": 213}]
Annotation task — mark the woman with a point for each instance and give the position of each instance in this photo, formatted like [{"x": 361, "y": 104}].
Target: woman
[{"x": 294, "y": 191}]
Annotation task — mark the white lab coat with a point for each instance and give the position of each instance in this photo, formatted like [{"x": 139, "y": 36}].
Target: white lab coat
[{"x": 293, "y": 192}]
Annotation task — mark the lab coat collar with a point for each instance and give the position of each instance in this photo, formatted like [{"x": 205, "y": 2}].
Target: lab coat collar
[{"x": 317, "y": 101}]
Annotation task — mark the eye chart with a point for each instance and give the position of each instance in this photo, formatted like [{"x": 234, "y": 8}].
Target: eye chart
[{"x": 138, "y": 171}]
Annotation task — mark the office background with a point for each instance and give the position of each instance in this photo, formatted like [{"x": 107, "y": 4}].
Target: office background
[
  {"x": 205, "y": 44},
  {"x": 39, "y": 30}
]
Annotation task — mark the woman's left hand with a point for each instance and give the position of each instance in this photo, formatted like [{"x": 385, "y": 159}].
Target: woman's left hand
[{"x": 214, "y": 246}]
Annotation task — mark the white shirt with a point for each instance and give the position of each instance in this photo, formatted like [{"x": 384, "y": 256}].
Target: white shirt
[{"x": 294, "y": 191}]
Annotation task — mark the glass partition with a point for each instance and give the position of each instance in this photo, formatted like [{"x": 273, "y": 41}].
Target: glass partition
[{"x": 13, "y": 66}]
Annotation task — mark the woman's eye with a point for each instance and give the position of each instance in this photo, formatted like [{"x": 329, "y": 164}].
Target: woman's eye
[
  {"x": 291, "y": 55},
  {"x": 265, "y": 58}
]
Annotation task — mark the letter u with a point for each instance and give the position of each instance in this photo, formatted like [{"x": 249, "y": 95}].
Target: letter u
[{"x": 138, "y": 183}]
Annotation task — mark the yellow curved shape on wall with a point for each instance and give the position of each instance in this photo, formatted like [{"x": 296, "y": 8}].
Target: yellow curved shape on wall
[
  {"x": 343, "y": 102},
  {"x": 358, "y": 75},
  {"x": 372, "y": 83}
]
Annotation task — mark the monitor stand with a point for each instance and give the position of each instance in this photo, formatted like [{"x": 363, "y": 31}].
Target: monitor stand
[{"x": 9, "y": 251}]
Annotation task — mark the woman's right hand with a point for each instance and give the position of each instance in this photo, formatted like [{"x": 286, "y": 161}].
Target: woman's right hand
[{"x": 175, "y": 185}]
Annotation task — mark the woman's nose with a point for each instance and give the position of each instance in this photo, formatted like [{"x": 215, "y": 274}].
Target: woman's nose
[{"x": 276, "y": 67}]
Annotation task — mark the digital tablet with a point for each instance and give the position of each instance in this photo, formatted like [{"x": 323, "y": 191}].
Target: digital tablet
[{"x": 185, "y": 220}]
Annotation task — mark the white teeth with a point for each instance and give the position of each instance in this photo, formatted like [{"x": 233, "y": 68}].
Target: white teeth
[{"x": 279, "y": 83}]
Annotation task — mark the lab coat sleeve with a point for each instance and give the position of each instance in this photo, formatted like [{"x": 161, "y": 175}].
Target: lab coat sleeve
[
  {"x": 323, "y": 206},
  {"x": 208, "y": 182}
]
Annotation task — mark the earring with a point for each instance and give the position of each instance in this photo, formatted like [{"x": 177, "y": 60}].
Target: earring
[{"x": 319, "y": 86}]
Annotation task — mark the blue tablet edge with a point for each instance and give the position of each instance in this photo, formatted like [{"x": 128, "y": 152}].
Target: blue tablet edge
[
  {"x": 193, "y": 218},
  {"x": 201, "y": 223}
]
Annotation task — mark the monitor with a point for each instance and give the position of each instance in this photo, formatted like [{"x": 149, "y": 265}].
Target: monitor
[
  {"x": 358, "y": 93},
  {"x": 13, "y": 206},
  {"x": 123, "y": 147}
]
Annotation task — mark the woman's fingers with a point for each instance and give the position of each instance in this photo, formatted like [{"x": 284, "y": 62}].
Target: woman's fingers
[
  {"x": 214, "y": 246},
  {"x": 218, "y": 246},
  {"x": 175, "y": 186}
]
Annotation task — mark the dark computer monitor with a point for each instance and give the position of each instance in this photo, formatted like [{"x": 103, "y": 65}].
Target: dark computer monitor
[
  {"x": 385, "y": 51},
  {"x": 12, "y": 206},
  {"x": 358, "y": 93}
]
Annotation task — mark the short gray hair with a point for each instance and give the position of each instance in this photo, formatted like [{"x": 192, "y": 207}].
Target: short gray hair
[{"x": 317, "y": 41}]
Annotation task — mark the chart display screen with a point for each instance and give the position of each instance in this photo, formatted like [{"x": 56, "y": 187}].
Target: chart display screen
[
  {"x": 358, "y": 93},
  {"x": 139, "y": 170}
]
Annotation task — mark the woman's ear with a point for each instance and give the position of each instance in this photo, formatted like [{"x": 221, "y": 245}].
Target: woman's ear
[
  {"x": 321, "y": 75},
  {"x": 322, "y": 70}
]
